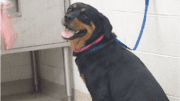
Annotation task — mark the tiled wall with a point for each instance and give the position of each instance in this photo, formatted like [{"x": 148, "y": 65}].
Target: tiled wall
[
  {"x": 51, "y": 65},
  {"x": 16, "y": 66},
  {"x": 159, "y": 47}
]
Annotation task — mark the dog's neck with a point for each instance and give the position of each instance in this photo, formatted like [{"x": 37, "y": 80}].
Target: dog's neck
[
  {"x": 86, "y": 47},
  {"x": 105, "y": 41}
]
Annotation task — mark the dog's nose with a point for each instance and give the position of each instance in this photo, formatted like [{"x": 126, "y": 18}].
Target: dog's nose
[{"x": 68, "y": 17}]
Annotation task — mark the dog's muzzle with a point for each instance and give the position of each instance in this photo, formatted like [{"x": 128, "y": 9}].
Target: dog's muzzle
[
  {"x": 70, "y": 33},
  {"x": 68, "y": 17}
]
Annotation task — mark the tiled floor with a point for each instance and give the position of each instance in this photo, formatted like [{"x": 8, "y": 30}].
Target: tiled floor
[{"x": 29, "y": 97}]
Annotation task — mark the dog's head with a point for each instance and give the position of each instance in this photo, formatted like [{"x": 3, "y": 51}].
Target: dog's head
[{"x": 84, "y": 24}]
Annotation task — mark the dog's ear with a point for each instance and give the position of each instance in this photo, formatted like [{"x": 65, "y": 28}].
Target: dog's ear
[{"x": 107, "y": 25}]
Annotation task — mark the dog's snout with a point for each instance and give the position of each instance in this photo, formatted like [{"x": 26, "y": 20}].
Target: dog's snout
[{"x": 68, "y": 17}]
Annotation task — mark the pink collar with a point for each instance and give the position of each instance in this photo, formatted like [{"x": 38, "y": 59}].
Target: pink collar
[{"x": 86, "y": 47}]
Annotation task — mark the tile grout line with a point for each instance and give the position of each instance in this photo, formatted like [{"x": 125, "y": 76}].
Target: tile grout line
[
  {"x": 140, "y": 13},
  {"x": 167, "y": 56},
  {"x": 173, "y": 96}
]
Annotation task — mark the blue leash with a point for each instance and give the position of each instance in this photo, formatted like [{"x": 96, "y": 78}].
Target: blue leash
[
  {"x": 143, "y": 25},
  {"x": 140, "y": 34}
]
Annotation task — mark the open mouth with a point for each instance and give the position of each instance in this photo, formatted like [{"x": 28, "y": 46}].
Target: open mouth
[{"x": 69, "y": 33}]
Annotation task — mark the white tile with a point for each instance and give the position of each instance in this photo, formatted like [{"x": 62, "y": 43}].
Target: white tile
[
  {"x": 15, "y": 59},
  {"x": 98, "y": 4},
  {"x": 52, "y": 57},
  {"x": 42, "y": 71},
  {"x": 125, "y": 25},
  {"x": 161, "y": 34},
  {"x": 83, "y": 1},
  {"x": 165, "y": 69},
  {"x": 79, "y": 84},
  {"x": 14, "y": 73},
  {"x": 16, "y": 66},
  {"x": 75, "y": 68},
  {"x": 172, "y": 98},
  {"x": 131, "y": 27},
  {"x": 50, "y": 76},
  {"x": 25, "y": 72},
  {"x": 59, "y": 76},
  {"x": 134, "y": 5},
  {"x": 5, "y": 75},
  {"x": 46, "y": 72},
  {"x": 163, "y": 7},
  {"x": 118, "y": 22},
  {"x": 117, "y": 5}
]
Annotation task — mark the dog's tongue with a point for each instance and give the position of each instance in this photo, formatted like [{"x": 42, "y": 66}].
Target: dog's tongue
[{"x": 67, "y": 34}]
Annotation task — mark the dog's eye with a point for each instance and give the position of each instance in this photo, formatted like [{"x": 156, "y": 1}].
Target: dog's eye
[
  {"x": 85, "y": 16},
  {"x": 69, "y": 10}
]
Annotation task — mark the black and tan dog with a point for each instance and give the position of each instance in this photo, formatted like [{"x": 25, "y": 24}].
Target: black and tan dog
[{"x": 110, "y": 71}]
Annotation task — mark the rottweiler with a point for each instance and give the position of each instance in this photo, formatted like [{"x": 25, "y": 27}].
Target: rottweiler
[{"x": 110, "y": 71}]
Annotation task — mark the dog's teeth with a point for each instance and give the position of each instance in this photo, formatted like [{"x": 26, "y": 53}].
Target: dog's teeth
[{"x": 77, "y": 32}]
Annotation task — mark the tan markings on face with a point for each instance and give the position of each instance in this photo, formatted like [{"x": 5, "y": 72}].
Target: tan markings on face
[
  {"x": 83, "y": 10},
  {"x": 78, "y": 43},
  {"x": 74, "y": 6}
]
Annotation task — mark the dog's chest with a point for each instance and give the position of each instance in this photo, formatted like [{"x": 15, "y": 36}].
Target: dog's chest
[{"x": 92, "y": 62}]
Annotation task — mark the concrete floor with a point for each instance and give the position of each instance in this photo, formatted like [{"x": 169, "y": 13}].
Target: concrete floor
[
  {"x": 79, "y": 96},
  {"x": 29, "y": 97}
]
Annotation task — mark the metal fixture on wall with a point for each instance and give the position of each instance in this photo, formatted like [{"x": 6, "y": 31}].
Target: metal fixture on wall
[{"x": 15, "y": 8}]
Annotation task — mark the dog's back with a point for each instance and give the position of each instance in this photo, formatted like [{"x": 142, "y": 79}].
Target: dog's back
[{"x": 130, "y": 80}]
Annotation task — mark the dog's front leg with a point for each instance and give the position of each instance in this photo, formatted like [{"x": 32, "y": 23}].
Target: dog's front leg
[
  {"x": 96, "y": 98},
  {"x": 100, "y": 98},
  {"x": 99, "y": 90}
]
